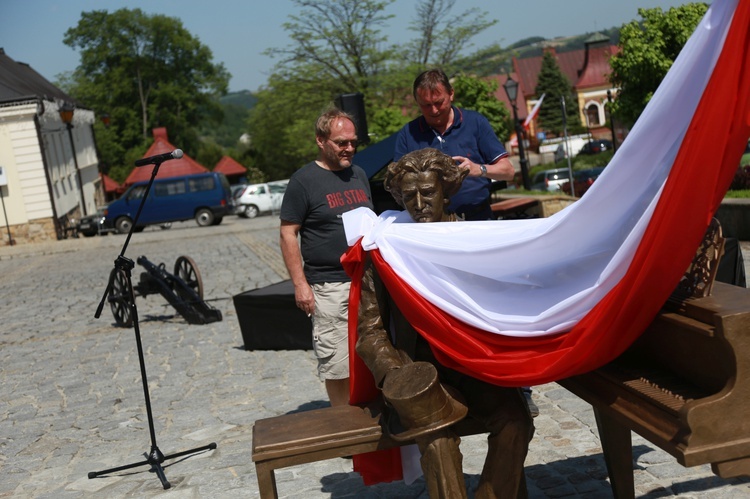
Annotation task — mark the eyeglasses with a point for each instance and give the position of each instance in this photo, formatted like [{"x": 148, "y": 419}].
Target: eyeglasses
[{"x": 344, "y": 143}]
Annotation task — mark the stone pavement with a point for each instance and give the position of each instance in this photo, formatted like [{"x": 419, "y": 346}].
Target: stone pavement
[{"x": 72, "y": 402}]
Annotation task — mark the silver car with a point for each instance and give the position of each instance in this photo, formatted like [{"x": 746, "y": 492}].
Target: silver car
[{"x": 550, "y": 180}]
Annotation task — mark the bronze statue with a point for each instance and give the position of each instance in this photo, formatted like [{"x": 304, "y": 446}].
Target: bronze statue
[{"x": 425, "y": 398}]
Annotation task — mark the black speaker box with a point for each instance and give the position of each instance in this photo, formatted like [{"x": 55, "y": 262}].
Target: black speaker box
[
  {"x": 354, "y": 104},
  {"x": 270, "y": 320}
]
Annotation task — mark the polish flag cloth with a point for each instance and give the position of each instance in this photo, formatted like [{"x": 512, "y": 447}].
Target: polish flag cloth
[
  {"x": 527, "y": 302},
  {"x": 533, "y": 113}
]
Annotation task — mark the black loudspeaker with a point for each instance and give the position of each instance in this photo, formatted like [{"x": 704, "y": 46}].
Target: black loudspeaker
[
  {"x": 270, "y": 320},
  {"x": 354, "y": 104}
]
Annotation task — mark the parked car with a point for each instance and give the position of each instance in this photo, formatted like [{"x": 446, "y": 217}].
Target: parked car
[
  {"x": 92, "y": 225},
  {"x": 596, "y": 146},
  {"x": 206, "y": 197},
  {"x": 550, "y": 180},
  {"x": 582, "y": 180},
  {"x": 256, "y": 199}
]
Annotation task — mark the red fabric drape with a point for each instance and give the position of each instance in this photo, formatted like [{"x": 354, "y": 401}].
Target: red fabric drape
[{"x": 380, "y": 466}]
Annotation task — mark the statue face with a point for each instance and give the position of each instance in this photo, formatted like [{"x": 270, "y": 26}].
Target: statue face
[{"x": 423, "y": 196}]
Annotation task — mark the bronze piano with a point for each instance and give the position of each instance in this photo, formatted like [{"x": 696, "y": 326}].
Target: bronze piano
[{"x": 684, "y": 385}]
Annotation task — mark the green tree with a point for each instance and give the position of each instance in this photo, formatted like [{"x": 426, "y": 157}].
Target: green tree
[
  {"x": 648, "y": 49},
  {"x": 282, "y": 123},
  {"x": 479, "y": 95},
  {"x": 442, "y": 36},
  {"x": 144, "y": 71},
  {"x": 338, "y": 48},
  {"x": 552, "y": 82},
  {"x": 339, "y": 39}
]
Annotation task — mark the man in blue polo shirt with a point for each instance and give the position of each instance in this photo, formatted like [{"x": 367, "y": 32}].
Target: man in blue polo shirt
[
  {"x": 465, "y": 135},
  {"x": 468, "y": 137}
]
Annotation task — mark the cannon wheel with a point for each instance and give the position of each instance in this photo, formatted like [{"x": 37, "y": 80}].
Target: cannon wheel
[
  {"x": 186, "y": 269},
  {"x": 119, "y": 299}
]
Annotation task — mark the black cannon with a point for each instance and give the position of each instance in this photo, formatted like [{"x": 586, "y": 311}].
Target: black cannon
[{"x": 183, "y": 290}]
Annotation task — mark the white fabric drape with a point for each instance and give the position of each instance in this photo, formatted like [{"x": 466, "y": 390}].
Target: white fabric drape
[{"x": 539, "y": 277}]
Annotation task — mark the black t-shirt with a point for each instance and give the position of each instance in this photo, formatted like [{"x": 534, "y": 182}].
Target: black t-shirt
[{"x": 315, "y": 199}]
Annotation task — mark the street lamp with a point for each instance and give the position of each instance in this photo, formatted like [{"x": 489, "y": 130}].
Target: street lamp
[
  {"x": 612, "y": 121},
  {"x": 511, "y": 89},
  {"x": 66, "y": 115}
]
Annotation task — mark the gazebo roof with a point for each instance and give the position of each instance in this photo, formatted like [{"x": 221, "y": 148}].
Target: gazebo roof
[
  {"x": 172, "y": 168},
  {"x": 109, "y": 184},
  {"x": 229, "y": 166}
]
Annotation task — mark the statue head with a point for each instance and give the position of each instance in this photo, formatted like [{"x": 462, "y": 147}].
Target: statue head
[{"x": 422, "y": 182}]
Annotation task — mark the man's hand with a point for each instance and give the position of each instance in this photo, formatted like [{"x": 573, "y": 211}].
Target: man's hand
[
  {"x": 304, "y": 298},
  {"x": 502, "y": 169},
  {"x": 464, "y": 163}
]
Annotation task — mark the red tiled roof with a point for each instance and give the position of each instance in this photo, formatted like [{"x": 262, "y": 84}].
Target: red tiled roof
[
  {"x": 172, "y": 168},
  {"x": 503, "y": 97},
  {"x": 228, "y": 166},
  {"x": 109, "y": 184},
  {"x": 528, "y": 69},
  {"x": 597, "y": 69}
]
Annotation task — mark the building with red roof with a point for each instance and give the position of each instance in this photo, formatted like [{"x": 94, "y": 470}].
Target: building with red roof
[
  {"x": 231, "y": 168},
  {"x": 172, "y": 168},
  {"x": 587, "y": 70},
  {"x": 112, "y": 189}
]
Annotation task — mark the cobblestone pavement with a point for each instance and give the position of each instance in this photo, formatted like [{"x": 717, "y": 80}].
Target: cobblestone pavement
[{"x": 72, "y": 402}]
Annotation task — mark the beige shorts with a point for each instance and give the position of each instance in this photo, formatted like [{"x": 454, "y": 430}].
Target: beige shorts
[{"x": 330, "y": 330}]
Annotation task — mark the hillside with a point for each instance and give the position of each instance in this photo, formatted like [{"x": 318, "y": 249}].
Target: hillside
[
  {"x": 244, "y": 99},
  {"x": 495, "y": 59}
]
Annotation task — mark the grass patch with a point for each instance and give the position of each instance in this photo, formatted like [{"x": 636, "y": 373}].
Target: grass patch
[{"x": 738, "y": 194}]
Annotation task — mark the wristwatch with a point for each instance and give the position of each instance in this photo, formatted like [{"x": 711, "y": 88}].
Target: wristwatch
[{"x": 483, "y": 170}]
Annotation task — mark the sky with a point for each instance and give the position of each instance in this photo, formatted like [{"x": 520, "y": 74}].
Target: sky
[{"x": 239, "y": 31}]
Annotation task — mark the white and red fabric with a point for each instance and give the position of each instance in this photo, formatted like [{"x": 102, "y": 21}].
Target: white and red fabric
[
  {"x": 533, "y": 113},
  {"x": 520, "y": 303}
]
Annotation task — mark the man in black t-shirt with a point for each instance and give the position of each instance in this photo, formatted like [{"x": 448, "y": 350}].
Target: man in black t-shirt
[{"x": 317, "y": 195}]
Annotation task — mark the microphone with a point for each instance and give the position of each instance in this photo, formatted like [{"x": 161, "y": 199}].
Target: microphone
[{"x": 159, "y": 158}]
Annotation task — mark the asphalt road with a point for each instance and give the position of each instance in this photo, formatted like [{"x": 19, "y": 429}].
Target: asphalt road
[{"x": 72, "y": 400}]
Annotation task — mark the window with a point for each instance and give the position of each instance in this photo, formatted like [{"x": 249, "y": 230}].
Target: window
[
  {"x": 136, "y": 192},
  {"x": 592, "y": 115},
  {"x": 201, "y": 184},
  {"x": 169, "y": 188}
]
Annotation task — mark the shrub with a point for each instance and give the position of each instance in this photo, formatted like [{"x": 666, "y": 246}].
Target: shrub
[{"x": 741, "y": 179}]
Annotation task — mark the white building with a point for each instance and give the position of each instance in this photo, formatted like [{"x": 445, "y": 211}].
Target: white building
[{"x": 50, "y": 169}]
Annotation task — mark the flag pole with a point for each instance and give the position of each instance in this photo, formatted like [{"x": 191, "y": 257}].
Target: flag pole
[{"x": 567, "y": 144}]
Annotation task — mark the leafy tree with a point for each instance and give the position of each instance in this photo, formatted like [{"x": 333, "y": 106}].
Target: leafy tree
[
  {"x": 145, "y": 71},
  {"x": 340, "y": 39},
  {"x": 442, "y": 36},
  {"x": 479, "y": 95},
  {"x": 552, "y": 82},
  {"x": 338, "y": 48},
  {"x": 228, "y": 132},
  {"x": 282, "y": 123},
  {"x": 648, "y": 49}
]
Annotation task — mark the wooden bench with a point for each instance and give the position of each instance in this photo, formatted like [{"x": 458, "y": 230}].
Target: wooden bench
[
  {"x": 331, "y": 432},
  {"x": 513, "y": 208}
]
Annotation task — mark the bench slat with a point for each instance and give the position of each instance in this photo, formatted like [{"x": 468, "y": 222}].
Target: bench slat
[{"x": 311, "y": 430}]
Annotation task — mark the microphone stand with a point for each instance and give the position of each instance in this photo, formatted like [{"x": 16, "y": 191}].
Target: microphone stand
[{"x": 125, "y": 265}]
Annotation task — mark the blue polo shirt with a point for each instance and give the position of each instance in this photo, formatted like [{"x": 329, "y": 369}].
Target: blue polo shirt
[{"x": 471, "y": 136}]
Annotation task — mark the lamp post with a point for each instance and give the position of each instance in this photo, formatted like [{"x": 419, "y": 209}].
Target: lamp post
[
  {"x": 66, "y": 115},
  {"x": 612, "y": 121},
  {"x": 511, "y": 89}
]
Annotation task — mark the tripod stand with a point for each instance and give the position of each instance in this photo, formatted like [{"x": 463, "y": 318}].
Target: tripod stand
[{"x": 124, "y": 267}]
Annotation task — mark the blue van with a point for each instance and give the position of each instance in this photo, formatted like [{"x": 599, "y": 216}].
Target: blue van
[{"x": 206, "y": 197}]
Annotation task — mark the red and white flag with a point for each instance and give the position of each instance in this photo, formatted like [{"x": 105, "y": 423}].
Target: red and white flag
[
  {"x": 527, "y": 302},
  {"x": 533, "y": 113}
]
